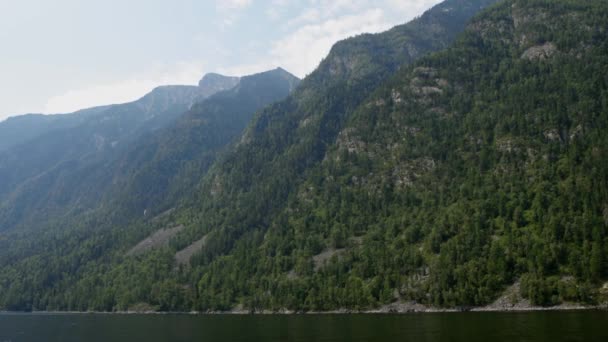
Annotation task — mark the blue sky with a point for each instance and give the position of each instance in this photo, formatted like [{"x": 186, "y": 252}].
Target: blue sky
[{"x": 63, "y": 55}]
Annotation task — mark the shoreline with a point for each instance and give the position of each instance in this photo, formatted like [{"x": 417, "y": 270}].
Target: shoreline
[{"x": 386, "y": 310}]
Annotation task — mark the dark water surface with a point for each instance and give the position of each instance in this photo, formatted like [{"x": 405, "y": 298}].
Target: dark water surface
[{"x": 470, "y": 327}]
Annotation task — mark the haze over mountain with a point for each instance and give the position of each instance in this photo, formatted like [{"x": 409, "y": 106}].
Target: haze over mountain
[
  {"x": 40, "y": 153},
  {"x": 150, "y": 112},
  {"x": 74, "y": 168},
  {"x": 458, "y": 160},
  {"x": 149, "y": 44}
]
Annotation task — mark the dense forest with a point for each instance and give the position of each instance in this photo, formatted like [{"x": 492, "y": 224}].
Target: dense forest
[{"x": 440, "y": 163}]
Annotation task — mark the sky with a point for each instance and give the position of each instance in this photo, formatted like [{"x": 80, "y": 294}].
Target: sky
[{"x": 63, "y": 55}]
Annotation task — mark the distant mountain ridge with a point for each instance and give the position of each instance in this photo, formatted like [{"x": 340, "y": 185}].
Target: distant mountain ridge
[
  {"x": 75, "y": 166},
  {"x": 166, "y": 166},
  {"x": 19, "y": 129},
  {"x": 38, "y": 141}
]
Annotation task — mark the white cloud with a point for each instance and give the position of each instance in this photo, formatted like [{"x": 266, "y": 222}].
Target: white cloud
[
  {"x": 276, "y": 9},
  {"x": 229, "y": 11},
  {"x": 308, "y": 30},
  {"x": 301, "y": 50},
  {"x": 328, "y": 9},
  {"x": 411, "y": 7},
  {"x": 233, "y": 4},
  {"x": 125, "y": 90},
  {"x": 321, "y": 23}
]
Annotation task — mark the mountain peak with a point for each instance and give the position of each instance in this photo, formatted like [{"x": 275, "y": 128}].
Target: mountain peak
[
  {"x": 271, "y": 75},
  {"x": 213, "y": 80},
  {"x": 280, "y": 72}
]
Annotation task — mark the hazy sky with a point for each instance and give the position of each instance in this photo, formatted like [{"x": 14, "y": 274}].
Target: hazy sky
[{"x": 62, "y": 55}]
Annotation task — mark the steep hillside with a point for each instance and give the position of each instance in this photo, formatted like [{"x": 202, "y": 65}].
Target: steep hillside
[
  {"x": 237, "y": 202},
  {"x": 128, "y": 189},
  {"x": 285, "y": 141},
  {"x": 51, "y": 156},
  {"x": 162, "y": 168},
  {"x": 154, "y": 170},
  {"x": 475, "y": 168},
  {"x": 40, "y": 142},
  {"x": 21, "y": 129},
  {"x": 248, "y": 189},
  {"x": 478, "y": 167},
  {"x": 391, "y": 175}
]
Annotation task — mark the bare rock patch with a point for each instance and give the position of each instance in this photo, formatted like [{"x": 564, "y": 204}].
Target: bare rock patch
[
  {"x": 540, "y": 52},
  {"x": 157, "y": 240},
  {"x": 321, "y": 259},
  {"x": 183, "y": 257}
]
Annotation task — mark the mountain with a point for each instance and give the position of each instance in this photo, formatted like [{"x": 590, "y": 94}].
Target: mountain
[
  {"x": 240, "y": 196},
  {"x": 455, "y": 161},
  {"x": 248, "y": 191},
  {"x": 23, "y": 128},
  {"x": 38, "y": 142},
  {"x": 41, "y": 152},
  {"x": 162, "y": 168},
  {"x": 155, "y": 169},
  {"x": 255, "y": 181},
  {"x": 476, "y": 170},
  {"x": 141, "y": 171},
  {"x": 18, "y": 129}
]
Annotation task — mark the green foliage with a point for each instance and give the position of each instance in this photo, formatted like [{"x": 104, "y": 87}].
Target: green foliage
[
  {"x": 465, "y": 172},
  {"x": 441, "y": 182}
]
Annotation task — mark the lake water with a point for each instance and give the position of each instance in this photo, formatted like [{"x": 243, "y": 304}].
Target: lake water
[{"x": 470, "y": 327}]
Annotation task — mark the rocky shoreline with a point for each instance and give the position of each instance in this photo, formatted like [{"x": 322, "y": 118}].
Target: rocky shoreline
[
  {"x": 510, "y": 301},
  {"x": 395, "y": 308}
]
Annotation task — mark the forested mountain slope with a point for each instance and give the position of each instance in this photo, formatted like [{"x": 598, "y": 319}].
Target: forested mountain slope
[
  {"x": 91, "y": 267},
  {"x": 477, "y": 167},
  {"x": 389, "y": 175},
  {"x": 289, "y": 138},
  {"x": 163, "y": 168},
  {"x": 128, "y": 188}
]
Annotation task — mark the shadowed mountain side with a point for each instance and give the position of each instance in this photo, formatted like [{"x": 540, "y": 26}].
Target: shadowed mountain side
[
  {"x": 32, "y": 145},
  {"x": 23, "y": 128},
  {"x": 151, "y": 171}
]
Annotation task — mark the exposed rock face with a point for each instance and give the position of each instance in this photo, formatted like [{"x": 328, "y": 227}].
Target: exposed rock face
[
  {"x": 166, "y": 96},
  {"x": 511, "y": 299},
  {"x": 507, "y": 145},
  {"x": 320, "y": 260},
  {"x": 343, "y": 65},
  {"x": 540, "y": 52},
  {"x": 521, "y": 17},
  {"x": 576, "y": 132},
  {"x": 552, "y": 135},
  {"x": 183, "y": 257},
  {"x": 406, "y": 172},
  {"x": 350, "y": 141},
  {"x": 213, "y": 83},
  {"x": 157, "y": 240}
]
